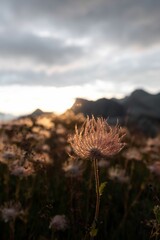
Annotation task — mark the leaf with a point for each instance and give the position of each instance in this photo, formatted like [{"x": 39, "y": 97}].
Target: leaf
[
  {"x": 101, "y": 188},
  {"x": 156, "y": 211},
  {"x": 93, "y": 232}
]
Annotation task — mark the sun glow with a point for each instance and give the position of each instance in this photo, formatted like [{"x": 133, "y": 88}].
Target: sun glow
[{"x": 21, "y": 100}]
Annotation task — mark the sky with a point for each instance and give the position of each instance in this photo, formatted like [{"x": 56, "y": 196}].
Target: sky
[{"x": 53, "y": 51}]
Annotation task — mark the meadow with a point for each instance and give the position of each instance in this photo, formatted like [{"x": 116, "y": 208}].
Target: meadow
[{"x": 45, "y": 194}]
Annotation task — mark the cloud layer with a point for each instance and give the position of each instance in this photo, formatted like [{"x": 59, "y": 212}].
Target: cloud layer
[{"x": 64, "y": 43}]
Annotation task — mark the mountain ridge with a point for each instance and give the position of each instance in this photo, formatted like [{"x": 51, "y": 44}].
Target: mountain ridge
[{"x": 140, "y": 109}]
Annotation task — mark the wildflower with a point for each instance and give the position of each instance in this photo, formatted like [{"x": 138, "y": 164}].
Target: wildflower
[
  {"x": 155, "y": 168},
  {"x": 152, "y": 145},
  {"x": 73, "y": 168},
  {"x": 133, "y": 153},
  {"x": 8, "y": 155},
  {"x": 103, "y": 163},
  {"x": 59, "y": 223},
  {"x": 10, "y": 211},
  {"x": 42, "y": 158},
  {"x": 96, "y": 139},
  {"x": 19, "y": 170},
  {"x": 60, "y": 130},
  {"x": 118, "y": 174}
]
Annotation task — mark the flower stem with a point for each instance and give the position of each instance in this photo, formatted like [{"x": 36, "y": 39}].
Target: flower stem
[
  {"x": 94, "y": 228},
  {"x": 12, "y": 226},
  {"x": 95, "y": 161}
]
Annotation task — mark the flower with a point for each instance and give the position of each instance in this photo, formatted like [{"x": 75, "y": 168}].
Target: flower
[
  {"x": 10, "y": 211},
  {"x": 133, "y": 153},
  {"x": 21, "y": 170},
  {"x": 118, "y": 174},
  {"x": 8, "y": 155},
  {"x": 103, "y": 163},
  {"x": 96, "y": 139},
  {"x": 155, "y": 168},
  {"x": 73, "y": 168},
  {"x": 59, "y": 222}
]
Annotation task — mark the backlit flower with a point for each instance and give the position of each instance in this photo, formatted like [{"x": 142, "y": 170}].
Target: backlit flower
[
  {"x": 73, "y": 168},
  {"x": 21, "y": 170},
  {"x": 118, "y": 174},
  {"x": 59, "y": 223},
  {"x": 96, "y": 139},
  {"x": 10, "y": 211},
  {"x": 155, "y": 168},
  {"x": 133, "y": 153}
]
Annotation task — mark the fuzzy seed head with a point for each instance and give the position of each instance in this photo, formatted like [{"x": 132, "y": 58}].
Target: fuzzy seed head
[{"x": 96, "y": 139}]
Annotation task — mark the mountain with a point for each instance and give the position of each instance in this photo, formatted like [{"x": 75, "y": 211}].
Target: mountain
[
  {"x": 6, "y": 117},
  {"x": 141, "y": 103},
  {"x": 140, "y": 110},
  {"x": 36, "y": 113},
  {"x": 102, "y": 107}
]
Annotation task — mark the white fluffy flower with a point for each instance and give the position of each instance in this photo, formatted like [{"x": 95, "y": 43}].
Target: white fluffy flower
[
  {"x": 10, "y": 211},
  {"x": 59, "y": 223}
]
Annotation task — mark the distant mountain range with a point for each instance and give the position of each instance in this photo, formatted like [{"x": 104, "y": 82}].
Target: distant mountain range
[
  {"x": 140, "y": 110},
  {"x": 7, "y": 117}
]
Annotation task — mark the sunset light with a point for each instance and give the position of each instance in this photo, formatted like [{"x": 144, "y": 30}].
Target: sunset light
[{"x": 20, "y": 100}]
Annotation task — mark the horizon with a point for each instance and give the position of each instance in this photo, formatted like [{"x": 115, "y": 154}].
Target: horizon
[{"x": 65, "y": 105}]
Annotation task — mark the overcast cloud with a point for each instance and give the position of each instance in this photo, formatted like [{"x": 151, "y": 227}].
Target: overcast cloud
[{"x": 66, "y": 42}]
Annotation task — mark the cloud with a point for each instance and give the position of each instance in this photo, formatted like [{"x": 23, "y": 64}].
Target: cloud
[
  {"x": 67, "y": 42},
  {"x": 48, "y": 50},
  {"x": 118, "y": 22}
]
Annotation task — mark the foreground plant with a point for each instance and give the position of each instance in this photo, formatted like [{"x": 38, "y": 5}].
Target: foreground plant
[
  {"x": 9, "y": 212},
  {"x": 96, "y": 140}
]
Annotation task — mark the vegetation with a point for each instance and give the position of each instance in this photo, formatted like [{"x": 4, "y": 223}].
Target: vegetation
[{"x": 46, "y": 194}]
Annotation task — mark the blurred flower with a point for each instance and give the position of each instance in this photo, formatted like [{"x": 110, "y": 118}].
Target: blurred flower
[
  {"x": 96, "y": 139},
  {"x": 73, "y": 168},
  {"x": 61, "y": 140},
  {"x": 45, "y": 121},
  {"x": 103, "y": 163},
  {"x": 45, "y": 148},
  {"x": 118, "y": 174},
  {"x": 10, "y": 211},
  {"x": 155, "y": 168},
  {"x": 153, "y": 142},
  {"x": 60, "y": 129},
  {"x": 133, "y": 153},
  {"x": 20, "y": 170},
  {"x": 59, "y": 223},
  {"x": 43, "y": 158},
  {"x": 152, "y": 145},
  {"x": 8, "y": 155}
]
